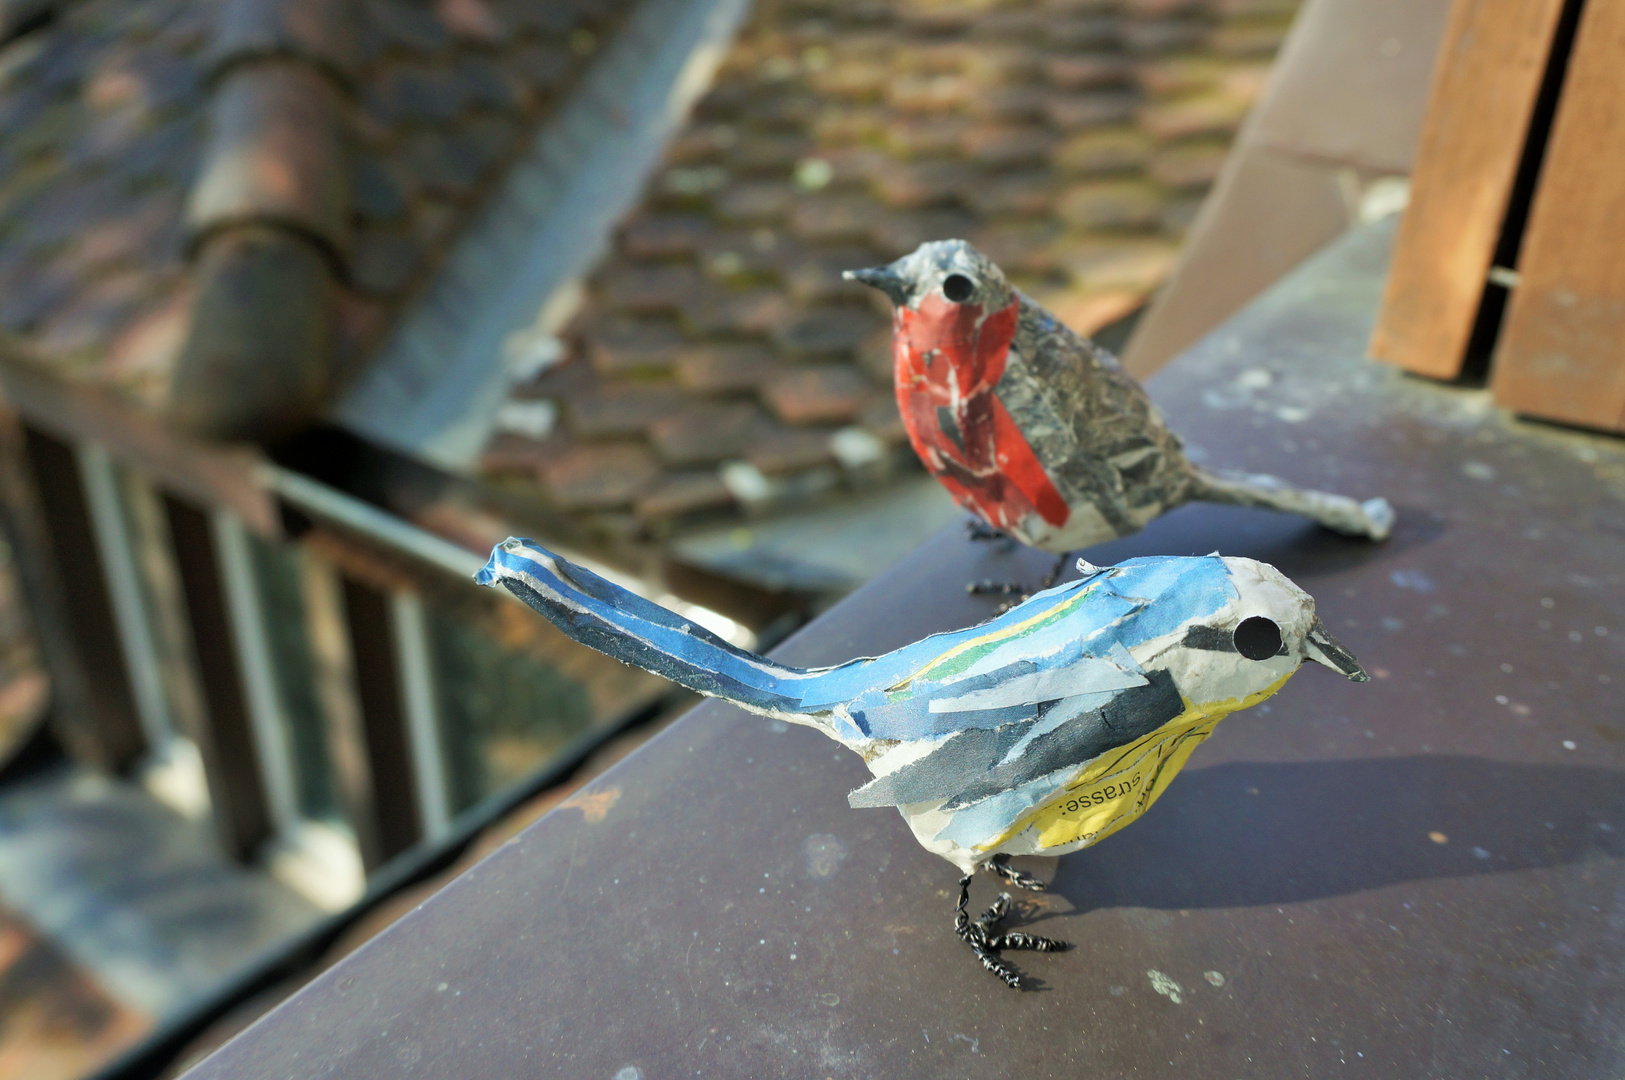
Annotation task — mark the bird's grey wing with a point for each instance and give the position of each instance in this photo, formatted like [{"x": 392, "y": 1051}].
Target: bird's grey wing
[
  {"x": 944, "y": 771},
  {"x": 977, "y": 764},
  {"x": 1090, "y": 422},
  {"x": 1084, "y": 736},
  {"x": 1081, "y": 706}
]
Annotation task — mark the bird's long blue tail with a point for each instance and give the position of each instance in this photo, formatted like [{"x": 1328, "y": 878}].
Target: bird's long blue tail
[{"x": 606, "y": 617}]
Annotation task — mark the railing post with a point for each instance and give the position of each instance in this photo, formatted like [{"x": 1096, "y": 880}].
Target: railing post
[
  {"x": 352, "y": 653},
  {"x": 111, "y": 734},
  {"x": 124, "y": 591},
  {"x": 267, "y": 719},
  {"x": 226, "y": 738},
  {"x": 418, "y": 691},
  {"x": 383, "y": 715}
]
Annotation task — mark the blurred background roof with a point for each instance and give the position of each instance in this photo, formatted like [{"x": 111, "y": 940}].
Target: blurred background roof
[{"x": 721, "y": 367}]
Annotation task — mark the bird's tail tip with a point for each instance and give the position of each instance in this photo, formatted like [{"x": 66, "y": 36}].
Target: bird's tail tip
[
  {"x": 1380, "y": 516},
  {"x": 490, "y": 575}
]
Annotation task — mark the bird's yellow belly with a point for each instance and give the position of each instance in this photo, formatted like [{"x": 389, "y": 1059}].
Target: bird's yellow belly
[{"x": 1117, "y": 787}]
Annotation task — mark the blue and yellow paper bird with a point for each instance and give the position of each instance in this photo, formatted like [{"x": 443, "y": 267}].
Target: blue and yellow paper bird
[{"x": 1041, "y": 731}]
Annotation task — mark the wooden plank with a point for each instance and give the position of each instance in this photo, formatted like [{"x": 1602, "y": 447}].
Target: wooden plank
[
  {"x": 1561, "y": 355},
  {"x": 23, "y": 520},
  {"x": 226, "y": 738},
  {"x": 115, "y": 734},
  {"x": 352, "y": 649},
  {"x": 333, "y": 668},
  {"x": 1490, "y": 70},
  {"x": 383, "y": 715}
]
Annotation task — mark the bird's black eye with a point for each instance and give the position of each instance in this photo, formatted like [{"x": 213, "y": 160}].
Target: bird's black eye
[
  {"x": 958, "y": 288},
  {"x": 1257, "y": 638}
]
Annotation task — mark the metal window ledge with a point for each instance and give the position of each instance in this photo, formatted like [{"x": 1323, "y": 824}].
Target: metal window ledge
[{"x": 1425, "y": 868}]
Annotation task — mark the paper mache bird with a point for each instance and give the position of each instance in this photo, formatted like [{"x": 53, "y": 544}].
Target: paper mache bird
[
  {"x": 1036, "y": 429},
  {"x": 1041, "y": 731}
]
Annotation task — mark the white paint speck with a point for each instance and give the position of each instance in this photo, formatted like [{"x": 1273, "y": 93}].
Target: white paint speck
[
  {"x": 1165, "y": 986},
  {"x": 1569, "y": 744},
  {"x": 1213, "y": 977}
]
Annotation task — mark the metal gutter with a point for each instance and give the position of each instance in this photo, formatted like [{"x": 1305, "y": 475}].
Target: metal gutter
[{"x": 513, "y": 278}]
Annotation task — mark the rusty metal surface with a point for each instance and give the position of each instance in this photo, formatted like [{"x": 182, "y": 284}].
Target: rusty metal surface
[{"x": 1416, "y": 877}]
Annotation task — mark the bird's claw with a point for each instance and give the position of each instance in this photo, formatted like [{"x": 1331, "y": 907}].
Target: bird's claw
[
  {"x": 1000, "y": 867},
  {"x": 985, "y": 943},
  {"x": 979, "y": 531},
  {"x": 1017, "y": 592}
]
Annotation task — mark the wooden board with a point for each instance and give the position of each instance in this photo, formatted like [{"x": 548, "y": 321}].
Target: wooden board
[
  {"x": 231, "y": 762},
  {"x": 1561, "y": 354},
  {"x": 1489, "y": 72}
]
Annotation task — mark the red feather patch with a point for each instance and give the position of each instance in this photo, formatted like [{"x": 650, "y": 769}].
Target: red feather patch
[{"x": 948, "y": 359}]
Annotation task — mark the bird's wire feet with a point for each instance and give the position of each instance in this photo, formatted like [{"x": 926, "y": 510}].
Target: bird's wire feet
[
  {"x": 980, "y": 532},
  {"x": 1010, "y": 588},
  {"x": 981, "y": 934}
]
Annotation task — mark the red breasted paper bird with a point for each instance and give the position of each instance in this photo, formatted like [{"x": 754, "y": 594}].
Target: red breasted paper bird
[{"x": 1039, "y": 431}]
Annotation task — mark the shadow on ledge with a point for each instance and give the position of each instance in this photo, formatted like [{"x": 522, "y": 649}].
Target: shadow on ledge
[{"x": 1250, "y": 834}]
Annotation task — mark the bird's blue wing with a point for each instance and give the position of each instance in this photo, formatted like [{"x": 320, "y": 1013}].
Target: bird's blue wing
[
  {"x": 1052, "y": 695},
  {"x": 1065, "y": 643}
]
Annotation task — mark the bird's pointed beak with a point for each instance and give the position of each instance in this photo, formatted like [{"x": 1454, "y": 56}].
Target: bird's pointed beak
[
  {"x": 885, "y": 279},
  {"x": 1322, "y": 648}
]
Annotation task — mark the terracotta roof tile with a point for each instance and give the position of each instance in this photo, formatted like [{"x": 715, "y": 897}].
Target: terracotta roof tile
[
  {"x": 741, "y": 255},
  {"x": 1251, "y": 42},
  {"x": 1162, "y": 37},
  {"x": 815, "y": 277},
  {"x": 684, "y": 493},
  {"x": 109, "y": 120},
  {"x": 913, "y": 184},
  {"x": 792, "y": 450},
  {"x": 1111, "y": 204},
  {"x": 880, "y": 418},
  {"x": 1003, "y": 146},
  {"x": 726, "y": 369},
  {"x": 1026, "y": 193},
  {"x": 899, "y": 233},
  {"x": 1087, "y": 71},
  {"x": 818, "y": 394},
  {"x": 662, "y": 235},
  {"x": 1071, "y": 139},
  {"x": 277, "y": 152},
  {"x": 602, "y": 477},
  {"x": 736, "y": 312},
  {"x": 825, "y": 331},
  {"x": 1021, "y": 248},
  {"x": 1208, "y": 114},
  {"x": 625, "y": 345},
  {"x": 832, "y": 217},
  {"x": 1069, "y": 111},
  {"x": 704, "y": 432},
  {"x": 759, "y": 203},
  {"x": 621, "y": 409},
  {"x": 1187, "y": 166},
  {"x": 654, "y": 290},
  {"x": 1101, "y": 151}
]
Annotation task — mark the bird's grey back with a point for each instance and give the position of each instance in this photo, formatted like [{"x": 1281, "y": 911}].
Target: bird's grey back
[{"x": 1092, "y": 425}]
